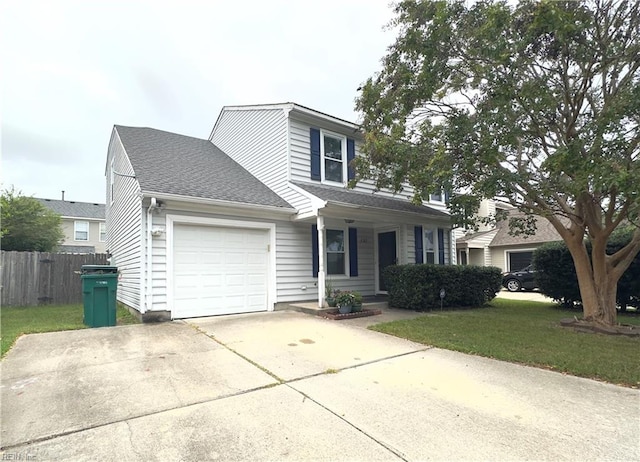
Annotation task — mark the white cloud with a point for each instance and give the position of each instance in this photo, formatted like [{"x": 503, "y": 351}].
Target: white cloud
[{"x": 72, "y": 69}]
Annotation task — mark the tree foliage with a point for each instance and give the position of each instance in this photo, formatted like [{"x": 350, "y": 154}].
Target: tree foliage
[
  {"x": 556, "y": 274},
  {"x": 537, "y": 104},
  {"x": 27, "y": 225}
]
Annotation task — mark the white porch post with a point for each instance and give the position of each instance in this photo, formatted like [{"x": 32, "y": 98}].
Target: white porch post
[
  {"x": 453, "y": 251},
  {"x": 321, "y": 257}
]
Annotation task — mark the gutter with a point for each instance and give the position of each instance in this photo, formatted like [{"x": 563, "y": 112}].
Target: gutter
[
  {"x": 222, "y": 203},
  {"x": 440, "y": 218}
]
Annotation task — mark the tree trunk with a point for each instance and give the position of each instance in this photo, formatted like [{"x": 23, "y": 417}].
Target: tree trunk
[
  {"x": 598, "y": 283},
  {"x": 599, "y": 304}
]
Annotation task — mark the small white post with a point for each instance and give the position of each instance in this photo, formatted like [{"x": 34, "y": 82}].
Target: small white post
[{"x": 321, "y": 257}]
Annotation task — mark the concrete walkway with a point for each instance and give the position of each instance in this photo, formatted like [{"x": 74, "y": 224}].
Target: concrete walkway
[{"x": 289, "y": 386}]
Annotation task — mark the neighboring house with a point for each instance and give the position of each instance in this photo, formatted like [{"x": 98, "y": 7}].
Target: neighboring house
[
  {"x": 258, "y": 214},
  {"x": 83, "y": 224},
  {"x": 494, "y": 246}
]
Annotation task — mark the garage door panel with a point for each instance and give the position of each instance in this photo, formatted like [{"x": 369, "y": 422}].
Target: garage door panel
[{"x": 219, "y": 270}]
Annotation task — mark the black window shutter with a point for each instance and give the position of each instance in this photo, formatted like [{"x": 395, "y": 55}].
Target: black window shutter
[
  {"x": 417, "y": 231},
  {"x": 353, "y": 252},
  {"x": 441, "y": 245},
  {"x": 447, "y": 196},
  {"x": 315, "y": 153},
  {"x": 351, "y": 154},
  {"x": 314, "y": 249}
]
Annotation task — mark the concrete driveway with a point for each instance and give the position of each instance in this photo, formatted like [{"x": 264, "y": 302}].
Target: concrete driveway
[
  {"x": 528, "y": 295},
  {"x": 289, "y": 386}
]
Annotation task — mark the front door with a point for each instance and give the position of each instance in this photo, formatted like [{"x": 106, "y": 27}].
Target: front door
[{"x": 387, "y": 255}]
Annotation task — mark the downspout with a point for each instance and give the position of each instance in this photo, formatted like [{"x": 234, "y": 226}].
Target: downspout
[{"x": 149, "y": 286}]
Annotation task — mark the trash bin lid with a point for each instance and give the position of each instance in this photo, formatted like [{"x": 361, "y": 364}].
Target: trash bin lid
[{"x": 99, "y": 269}]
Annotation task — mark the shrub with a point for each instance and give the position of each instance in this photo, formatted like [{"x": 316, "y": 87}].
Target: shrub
[
  {"x": 556, "y": 274},
  {"x": 417, "y": 287}
]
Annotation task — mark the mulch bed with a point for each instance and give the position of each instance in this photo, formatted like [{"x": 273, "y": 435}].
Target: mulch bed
[
  {"x": 334, "y": 314},
  {"x": 583, "y": 326}
]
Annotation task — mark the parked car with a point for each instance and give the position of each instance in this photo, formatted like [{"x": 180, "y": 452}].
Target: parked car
[{"x": 515, "y": 281}]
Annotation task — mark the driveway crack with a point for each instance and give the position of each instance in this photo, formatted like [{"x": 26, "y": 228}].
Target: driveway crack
[
  {"x": 388, "y": 447},
  {"x": 131, "y": 443},
  {"x": 247, "y": 359}
]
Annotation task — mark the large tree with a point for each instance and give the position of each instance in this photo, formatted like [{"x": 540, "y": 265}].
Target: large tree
[
  {"x": 27, "y": 225},
  {"x": 537, "y": 104}
]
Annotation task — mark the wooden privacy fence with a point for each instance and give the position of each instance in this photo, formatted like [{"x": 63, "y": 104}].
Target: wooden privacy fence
[{"x": 40, "y": 278}]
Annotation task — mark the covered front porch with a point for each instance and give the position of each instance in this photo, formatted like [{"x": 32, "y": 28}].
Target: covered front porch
[
  {"x": 355, "y": 236},
  {"x": 370, "y": 302}
]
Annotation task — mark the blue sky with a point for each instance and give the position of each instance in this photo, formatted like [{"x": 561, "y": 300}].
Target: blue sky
[{"x": 73, "y": 69}]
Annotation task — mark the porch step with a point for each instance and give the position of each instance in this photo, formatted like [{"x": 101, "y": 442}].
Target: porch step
[{"x": 312, "y": 307}]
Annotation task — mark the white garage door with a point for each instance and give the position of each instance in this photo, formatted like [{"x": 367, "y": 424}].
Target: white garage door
[{"x": 219, "y": 270}]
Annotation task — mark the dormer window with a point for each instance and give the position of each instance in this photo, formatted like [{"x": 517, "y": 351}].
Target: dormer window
[{"x": 333, "y": 152}]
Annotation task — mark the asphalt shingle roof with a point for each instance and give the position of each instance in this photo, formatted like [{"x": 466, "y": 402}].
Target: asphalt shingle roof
[
  {"x": 545, "y": 232},
  {"x": 74, "y": 208},
  {"x": 345, "y": 196},
  {"x": 169, "y": 163}
]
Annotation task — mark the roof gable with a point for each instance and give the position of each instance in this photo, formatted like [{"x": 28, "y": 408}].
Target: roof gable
[{"x": 168, "y": 163}]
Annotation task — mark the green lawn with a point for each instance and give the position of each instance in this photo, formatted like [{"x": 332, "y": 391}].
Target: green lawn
[
  {"x": 15, "y": 321},
  {"x": 527, "y": 333}
]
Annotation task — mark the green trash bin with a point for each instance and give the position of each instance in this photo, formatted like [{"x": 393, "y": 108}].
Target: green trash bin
[{"x": 99, "y": 287}]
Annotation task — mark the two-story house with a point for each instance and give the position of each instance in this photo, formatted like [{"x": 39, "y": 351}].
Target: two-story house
[
  {"x": 494, "y": 245},
  {"x": 256, "y": 215},
  {"x": 83, "y": 225}
]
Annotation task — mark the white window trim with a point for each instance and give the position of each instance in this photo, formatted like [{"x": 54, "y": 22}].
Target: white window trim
[
  {"x": 436, "y": 201},
  {"x": 436, "y": 249},
  {"x": 344, "y": 158},
  {"x": 75, "y": 231},
  {"x": 346, "y": 273},
  {"x": 102, "y": 225}
]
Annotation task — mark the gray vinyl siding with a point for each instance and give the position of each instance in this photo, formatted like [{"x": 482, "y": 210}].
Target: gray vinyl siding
[
  {"x": 410, "y": 239},
  {"x": 293, "y": 256},
  {"x": 300, "y": 161},
  {"x": 411, "y": 245},
  {"x": 124, "y": 225},
  {"x": 485, "y": 241},
  {"x": 257, "y": 140},
  {"x": 294, "y": 262},
  {"x": 68, "y": 228},
  {"x": 294, "y": 278},
  {"x": 158, "y": 262},
  {"x": 300, "y": 150}
]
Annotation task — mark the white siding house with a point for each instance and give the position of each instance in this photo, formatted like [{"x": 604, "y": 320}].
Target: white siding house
[
  {"x": 493, "y": 245},
  {"x": 83, "y": 225},
  {"x": 257, "y": 215},
  {"x": 124, "y": 224}
]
